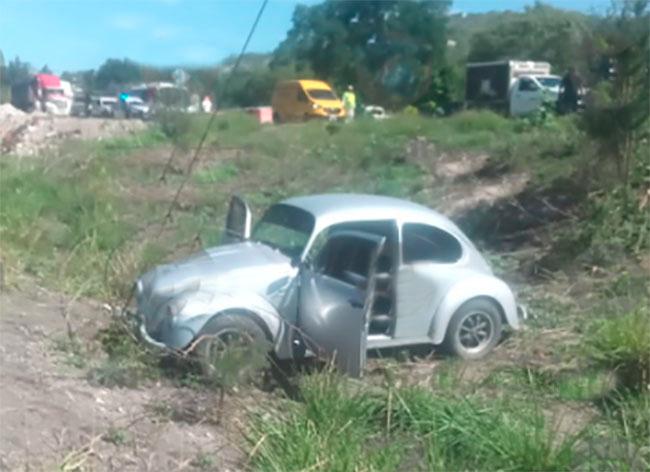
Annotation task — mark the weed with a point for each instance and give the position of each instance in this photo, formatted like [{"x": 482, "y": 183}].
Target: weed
[
  {"x": 220, "y": 173},
  {"x": 333, "y": 429},
  {"x": 583, "y": 386},
  {"x": 204, "y": 461},
  {"x": 128, "y": 363},
  {"x": 468, "y": 435},
  {"x": 76, "y": 354},
  {"x": 623, "y": 343},
  {"x": 116, "y": 436},
  {"x": 337, "y": 430}
]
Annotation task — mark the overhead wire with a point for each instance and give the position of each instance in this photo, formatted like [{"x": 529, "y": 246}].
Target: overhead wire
[{"x": 200, "y": 144}]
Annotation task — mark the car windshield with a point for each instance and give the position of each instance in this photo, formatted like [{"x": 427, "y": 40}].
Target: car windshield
[
  {"x": 321, "y": 94},
  {"x": 549, "y": 81},
  {"x": 285, "y": 228}
]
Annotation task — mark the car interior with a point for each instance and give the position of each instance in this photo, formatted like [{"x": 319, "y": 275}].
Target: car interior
[{"x": 348, "y": 260}]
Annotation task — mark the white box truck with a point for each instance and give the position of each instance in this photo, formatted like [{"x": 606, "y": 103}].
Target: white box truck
[{"x": 513, "y": 87}]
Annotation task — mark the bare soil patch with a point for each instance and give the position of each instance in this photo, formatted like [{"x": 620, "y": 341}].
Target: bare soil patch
[
  {"x": 30, "y": 134},
  {"x": 52, "y": 416}
]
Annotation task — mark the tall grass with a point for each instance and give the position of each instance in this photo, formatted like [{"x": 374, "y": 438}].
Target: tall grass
[
  {"x": 333, "y": 429},
  {"x": 623, "y": 343},
  {"x": 405, "y": 429}
]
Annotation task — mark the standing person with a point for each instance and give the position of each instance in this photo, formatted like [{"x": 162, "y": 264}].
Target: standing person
[
  {"x": 569, "y": 87},
  {"x": 349, "y": 103},
  {"x": 206, "y": 104}
]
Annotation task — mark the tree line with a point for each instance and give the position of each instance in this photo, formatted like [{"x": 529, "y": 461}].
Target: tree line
[{"x": 395, "y": 53}]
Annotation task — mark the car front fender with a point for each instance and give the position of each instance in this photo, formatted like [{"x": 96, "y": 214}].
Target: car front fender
[
  {"x": 467, "y": 289},
  {"x": 194, "y": 311}
]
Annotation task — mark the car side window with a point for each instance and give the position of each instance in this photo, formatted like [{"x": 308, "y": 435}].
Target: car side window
[
  {"x": 527, "y": 85},
  {"x": 424, "y": 243}
]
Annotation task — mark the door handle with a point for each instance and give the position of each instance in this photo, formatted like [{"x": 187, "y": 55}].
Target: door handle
[{"x": 355, "y": 303}]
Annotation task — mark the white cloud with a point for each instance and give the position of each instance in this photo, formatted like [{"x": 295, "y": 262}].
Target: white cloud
[{"x": 125, "y": 22}]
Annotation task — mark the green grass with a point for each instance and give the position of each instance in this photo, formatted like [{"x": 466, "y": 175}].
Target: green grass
[
  {"x": 623, "y": 343},
  {"x": 74, "y": 221},
  {"x": 337, "y": 428}
]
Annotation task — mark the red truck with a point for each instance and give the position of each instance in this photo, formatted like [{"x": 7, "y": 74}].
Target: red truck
[{"x": 43, "y": 92}]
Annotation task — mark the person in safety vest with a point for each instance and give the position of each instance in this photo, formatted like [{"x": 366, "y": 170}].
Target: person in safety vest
[{"x": 349, "y": 103}]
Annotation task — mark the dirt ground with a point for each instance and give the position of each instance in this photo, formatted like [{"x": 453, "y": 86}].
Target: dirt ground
[
  {"x": 53, "y": 418},
  {"x": 27, "y": 134}
]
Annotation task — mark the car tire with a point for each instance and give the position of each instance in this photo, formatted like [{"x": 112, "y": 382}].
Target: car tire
[
  {"x": 474, "y": 330},
  {"x": 242, "y": 340}
]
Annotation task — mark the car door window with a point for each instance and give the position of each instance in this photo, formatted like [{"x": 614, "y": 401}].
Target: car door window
[
  {"x": 346, "y": 259},
  {"x": 527, "y": 85},
  {"x": 385, "y": 228},
  {"x": 423, "y": 242}
]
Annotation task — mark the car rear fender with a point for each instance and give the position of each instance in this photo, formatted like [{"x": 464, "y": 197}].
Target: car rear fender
[{"x": 481, "y": 286}]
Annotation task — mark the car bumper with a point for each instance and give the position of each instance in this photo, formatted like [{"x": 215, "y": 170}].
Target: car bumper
[
  {"x": 171, "y": 337},
  {"x": 522, "y": 313}
]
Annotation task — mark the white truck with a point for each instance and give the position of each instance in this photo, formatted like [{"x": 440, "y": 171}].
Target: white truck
[{"x": 514, "y": 87}]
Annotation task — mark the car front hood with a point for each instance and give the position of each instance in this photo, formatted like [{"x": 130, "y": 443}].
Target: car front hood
[{"x": 235, "y": 268}]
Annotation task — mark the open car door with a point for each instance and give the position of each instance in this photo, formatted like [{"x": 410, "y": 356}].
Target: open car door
[
  {"x": 336, "y": 296},
  {"x": 238, "y": 221}
]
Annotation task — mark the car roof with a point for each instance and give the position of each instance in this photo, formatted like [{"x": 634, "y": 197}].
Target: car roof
[
  {"x": 342, "y": 207},
  {"x": 314, "y": 84}
]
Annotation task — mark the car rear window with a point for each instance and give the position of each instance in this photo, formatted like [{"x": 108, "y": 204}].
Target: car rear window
[{"x": 430, "y": 244}]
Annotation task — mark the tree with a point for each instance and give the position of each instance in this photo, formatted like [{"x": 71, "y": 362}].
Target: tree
[
  {"x": 390, "y": 50},
  {"x": 618, "y": 111},
  {"x": 17, "y": 71},
  {"x": 540, "y": 33},
  {"x": 46, "y": 70},
  {"x": 115, "y": 72}
]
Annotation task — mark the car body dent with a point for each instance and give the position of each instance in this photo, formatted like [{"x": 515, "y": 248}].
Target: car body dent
[
  {"x": 478, "y": 286},
  {"x": 187, "y": 294}
]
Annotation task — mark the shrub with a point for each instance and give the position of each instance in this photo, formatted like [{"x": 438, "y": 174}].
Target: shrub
[{"x": 623, "y": 343}]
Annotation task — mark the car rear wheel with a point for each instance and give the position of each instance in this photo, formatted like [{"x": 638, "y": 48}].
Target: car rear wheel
[
  {"x": 232, "y": 349},
  {"x": 474, "y": 330}
]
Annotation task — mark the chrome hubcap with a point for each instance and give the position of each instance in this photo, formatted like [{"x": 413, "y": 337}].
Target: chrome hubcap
[{"x": 476, "y": 331}]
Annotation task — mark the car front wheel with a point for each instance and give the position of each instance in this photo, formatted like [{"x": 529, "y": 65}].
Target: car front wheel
[
  {"x": 474, "y": 330},
  {"x": 232, "y": 349}
]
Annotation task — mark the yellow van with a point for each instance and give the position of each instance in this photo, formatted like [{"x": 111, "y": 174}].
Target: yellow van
[{"x": 305, "y": 99}]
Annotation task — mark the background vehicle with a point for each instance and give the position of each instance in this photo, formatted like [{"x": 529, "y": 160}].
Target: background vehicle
[
  {"x": 376, "y": 112},
  {"x": 162, "y": 96},
  {"x": 305, "y": 99},
  {"x": 327, "y": 274},
  {"x": 43, "y": 92},
  {"x": 136, "y": 108},
  {"x": 514, "y": 87},
  {"x": 104, "y": 106}
]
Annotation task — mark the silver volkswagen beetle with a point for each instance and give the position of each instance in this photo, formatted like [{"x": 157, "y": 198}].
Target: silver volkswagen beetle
[{"x": 331, "y": 275}]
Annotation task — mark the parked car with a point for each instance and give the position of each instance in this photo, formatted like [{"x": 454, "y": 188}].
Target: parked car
[
  {"x": 299, "y": 100},
  {"x": 104, "y": 107},
  {"x": 376, "y": 112},
  {"x": 331, "y": 275},
  {"x": 135, "y": 107}
]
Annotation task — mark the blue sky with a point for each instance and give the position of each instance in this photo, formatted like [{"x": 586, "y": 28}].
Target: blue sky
[{"x": 81, "y": 34}]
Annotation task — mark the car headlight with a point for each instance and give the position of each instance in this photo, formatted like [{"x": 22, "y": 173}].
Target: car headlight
[{"x": 315, "y": 106}]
